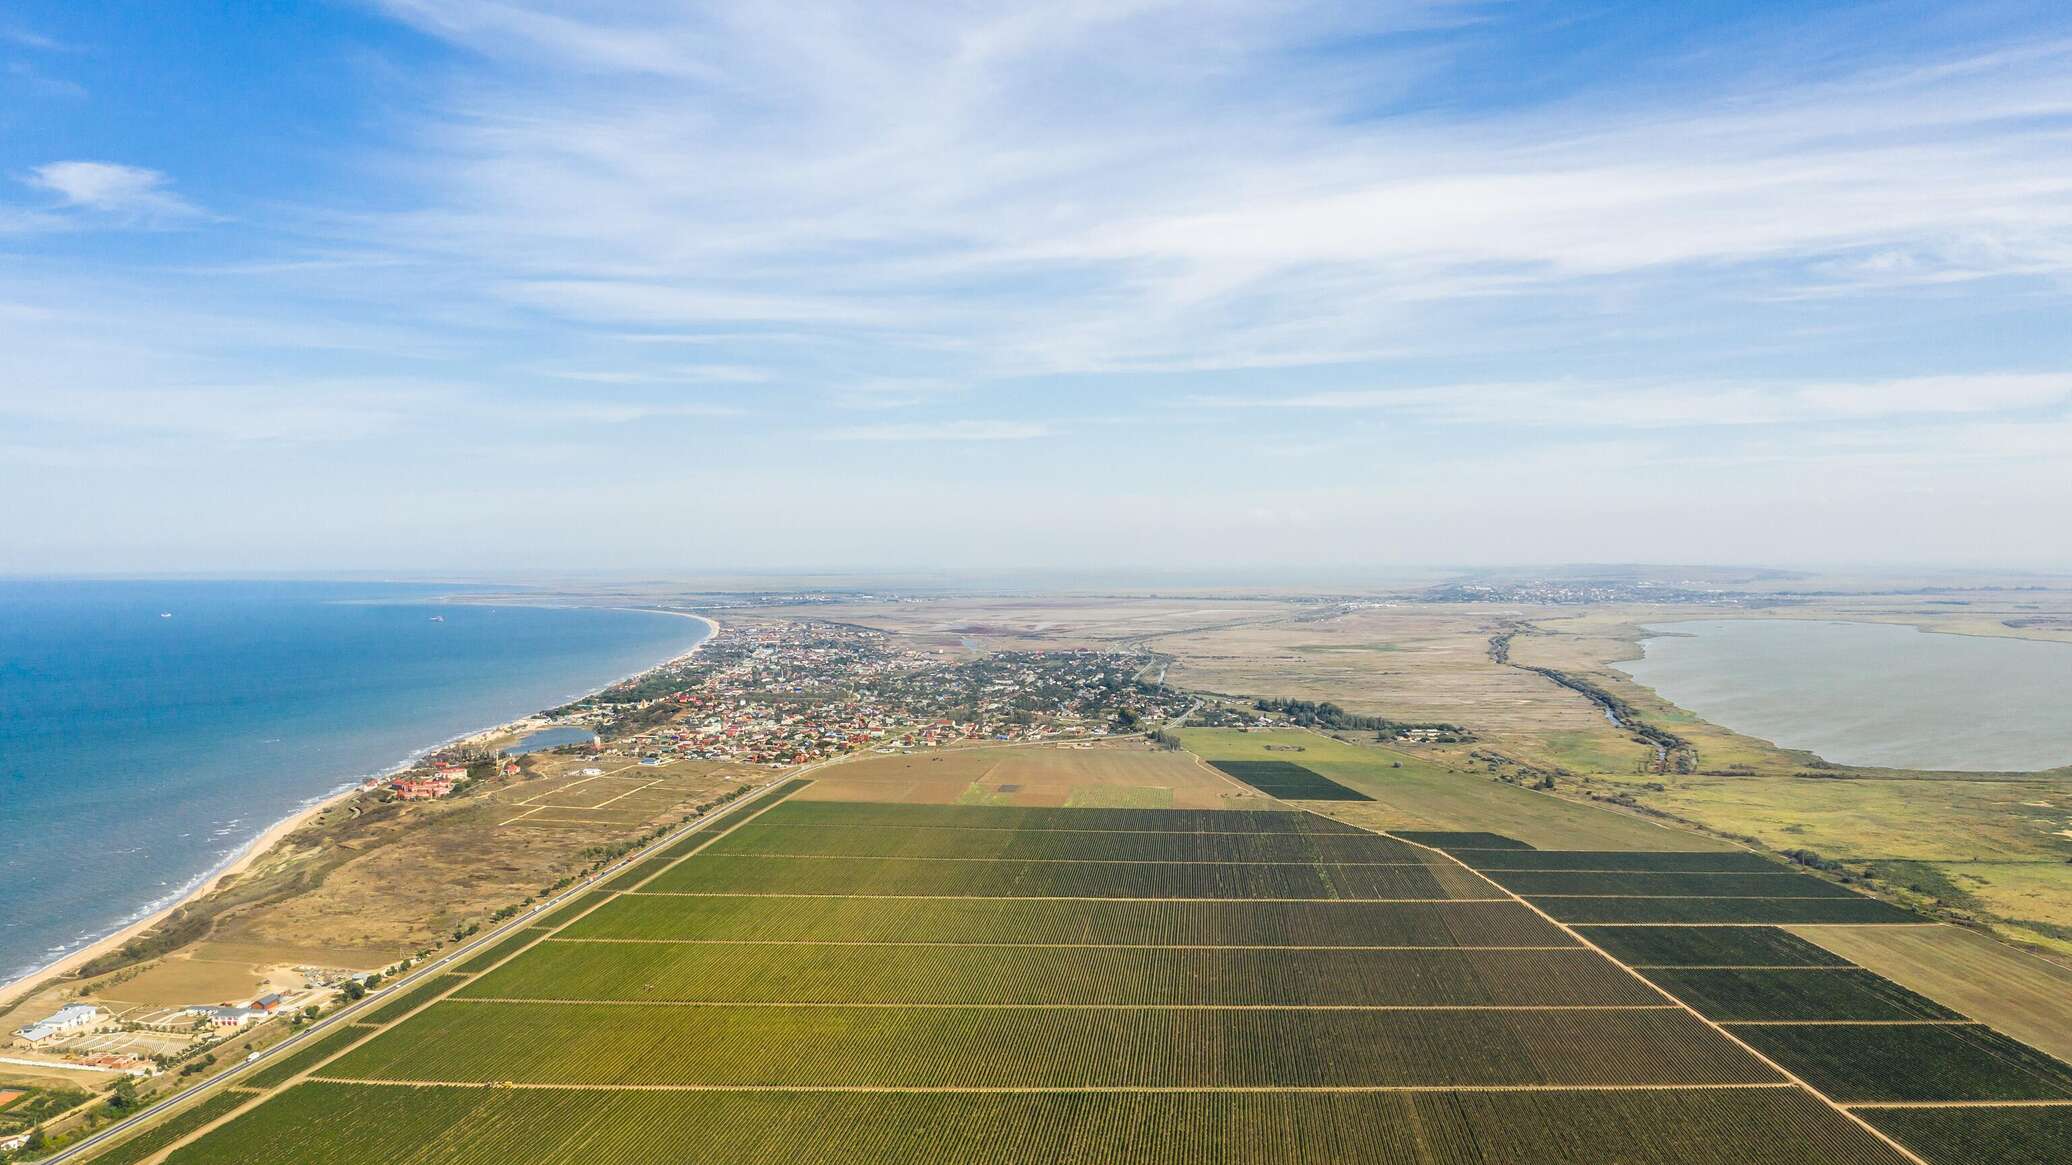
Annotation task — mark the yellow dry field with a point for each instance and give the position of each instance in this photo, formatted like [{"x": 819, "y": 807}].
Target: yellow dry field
[
  {"x": 182, "y": 979},
  {"x": 22, "y": 1075},
  {"x": 368, "y": 884},
  {"x": 2028, "y": 997},
  {"x": 1418, "y": 663},
  {"x": 1101, "y": 776},
  {"x": 467, "y": 857}
]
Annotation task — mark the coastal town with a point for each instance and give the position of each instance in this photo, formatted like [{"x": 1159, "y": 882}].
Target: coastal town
[
  {"x": 792, "y": 693},
  {"x": 762, "y": 695}
]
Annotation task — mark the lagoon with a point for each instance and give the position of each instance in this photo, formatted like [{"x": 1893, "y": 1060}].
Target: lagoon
[
  {"x": 1871, "y": 694},
  {"x": 559, "y": 736}
]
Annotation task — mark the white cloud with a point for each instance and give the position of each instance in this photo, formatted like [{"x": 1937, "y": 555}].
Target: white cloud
[
  {"x": 1163, "y": 186},
  {"x": 667, "y": 374},
  {"x": 1646, "y": 405},
  {"x": 1462, "y": 297},
  {"x": 943, "y": 431},
  {"x": 129, "y": 192}
]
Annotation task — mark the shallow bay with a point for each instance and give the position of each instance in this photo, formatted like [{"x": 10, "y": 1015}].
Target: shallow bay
[{"x": 1870, "y": 693}]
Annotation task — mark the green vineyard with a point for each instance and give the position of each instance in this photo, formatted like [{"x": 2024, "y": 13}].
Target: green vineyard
[
  {"x": 355, "y": 1124},
  {"x": 829, "y": 983}
]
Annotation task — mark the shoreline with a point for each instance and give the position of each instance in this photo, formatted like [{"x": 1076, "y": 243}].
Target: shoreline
[
  {"x": 14, "y": 991},
  {"x": 1636, "y": 635}
]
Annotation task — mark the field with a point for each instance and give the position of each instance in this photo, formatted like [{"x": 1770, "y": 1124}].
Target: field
[
  {"x": 1097, "y": 976},
  {"x": 1288, "y": 781},
  {"x": 30, "y": 1106},
  {"x": 1799, "y": 993},
  {"x": 1423, "y": 790},
  {"x": 353, "y": 1124},
  {"x": 151, "y": 1141},
  {"x": 1981, "y": 1136},
  {"x": 1021, "y": 922},
  {"x": 1107, "y": 775},
  {"x": 1911, "y": 1062},
  {"x": 1021, "y": 984},
  {"x": 1596, "y": 887},
  {"x": 2016, "y": 992},
  {"x": 1713, "y": 946}
]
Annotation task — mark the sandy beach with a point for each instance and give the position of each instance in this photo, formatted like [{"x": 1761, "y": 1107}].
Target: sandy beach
[
  {"x": 257, "y": 848},
  {"x": 241, "y": 862}
]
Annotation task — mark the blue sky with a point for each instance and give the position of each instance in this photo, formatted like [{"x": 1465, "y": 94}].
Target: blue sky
[{"x": 453, "y": 285}]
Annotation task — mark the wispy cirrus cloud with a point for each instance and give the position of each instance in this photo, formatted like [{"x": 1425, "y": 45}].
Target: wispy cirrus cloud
[
  {"x": 130, "y": 193},
  {"x": 1655, "y": 404},
  {"x": 1361, "y": 262},
  {"x": 943, "y": 431},
  {"x": 1219, "y": 204}
]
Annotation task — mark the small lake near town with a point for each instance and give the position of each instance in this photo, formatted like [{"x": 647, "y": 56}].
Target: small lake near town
[{"x": 1871, "y": 693}]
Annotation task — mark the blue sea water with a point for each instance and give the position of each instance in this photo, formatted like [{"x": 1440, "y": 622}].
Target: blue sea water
[{"x": 139, "y": 752}]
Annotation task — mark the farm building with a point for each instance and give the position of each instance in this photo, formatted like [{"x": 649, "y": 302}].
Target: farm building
[
  {"x": 229, "y": 1017},
  {"x": 72, "y": 1017}
]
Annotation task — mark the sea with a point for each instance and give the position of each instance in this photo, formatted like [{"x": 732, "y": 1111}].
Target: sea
[
  {"x": 1874, "y": 694},
  {"x": 150, "y": 730}
]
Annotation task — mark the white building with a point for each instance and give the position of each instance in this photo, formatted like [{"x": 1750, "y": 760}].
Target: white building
[
  {"x": 228, "y": 1017},
  {"x": 72, "y": 1017}
]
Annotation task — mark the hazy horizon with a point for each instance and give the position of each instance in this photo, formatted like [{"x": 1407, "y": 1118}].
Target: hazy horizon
[{"x": 461, "y": 286}]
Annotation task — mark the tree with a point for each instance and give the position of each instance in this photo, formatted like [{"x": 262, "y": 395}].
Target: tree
[{"x": 123, "y": 1097}]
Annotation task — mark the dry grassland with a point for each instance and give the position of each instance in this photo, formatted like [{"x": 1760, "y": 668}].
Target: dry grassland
[{"x": 413, "y": 879}]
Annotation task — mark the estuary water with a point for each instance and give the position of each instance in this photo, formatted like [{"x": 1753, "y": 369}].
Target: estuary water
[
  {"x": 149, "y": 730},
  {"x": 1871, "y": 693}
]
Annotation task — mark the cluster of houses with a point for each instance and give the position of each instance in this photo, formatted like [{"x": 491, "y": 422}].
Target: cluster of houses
[
  {"x": 439, "y": 782},
  {"x": 791, "y": 693}
]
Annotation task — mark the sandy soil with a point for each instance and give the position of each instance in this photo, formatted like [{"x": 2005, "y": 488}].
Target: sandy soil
[{"x": 242, "y": 862}]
